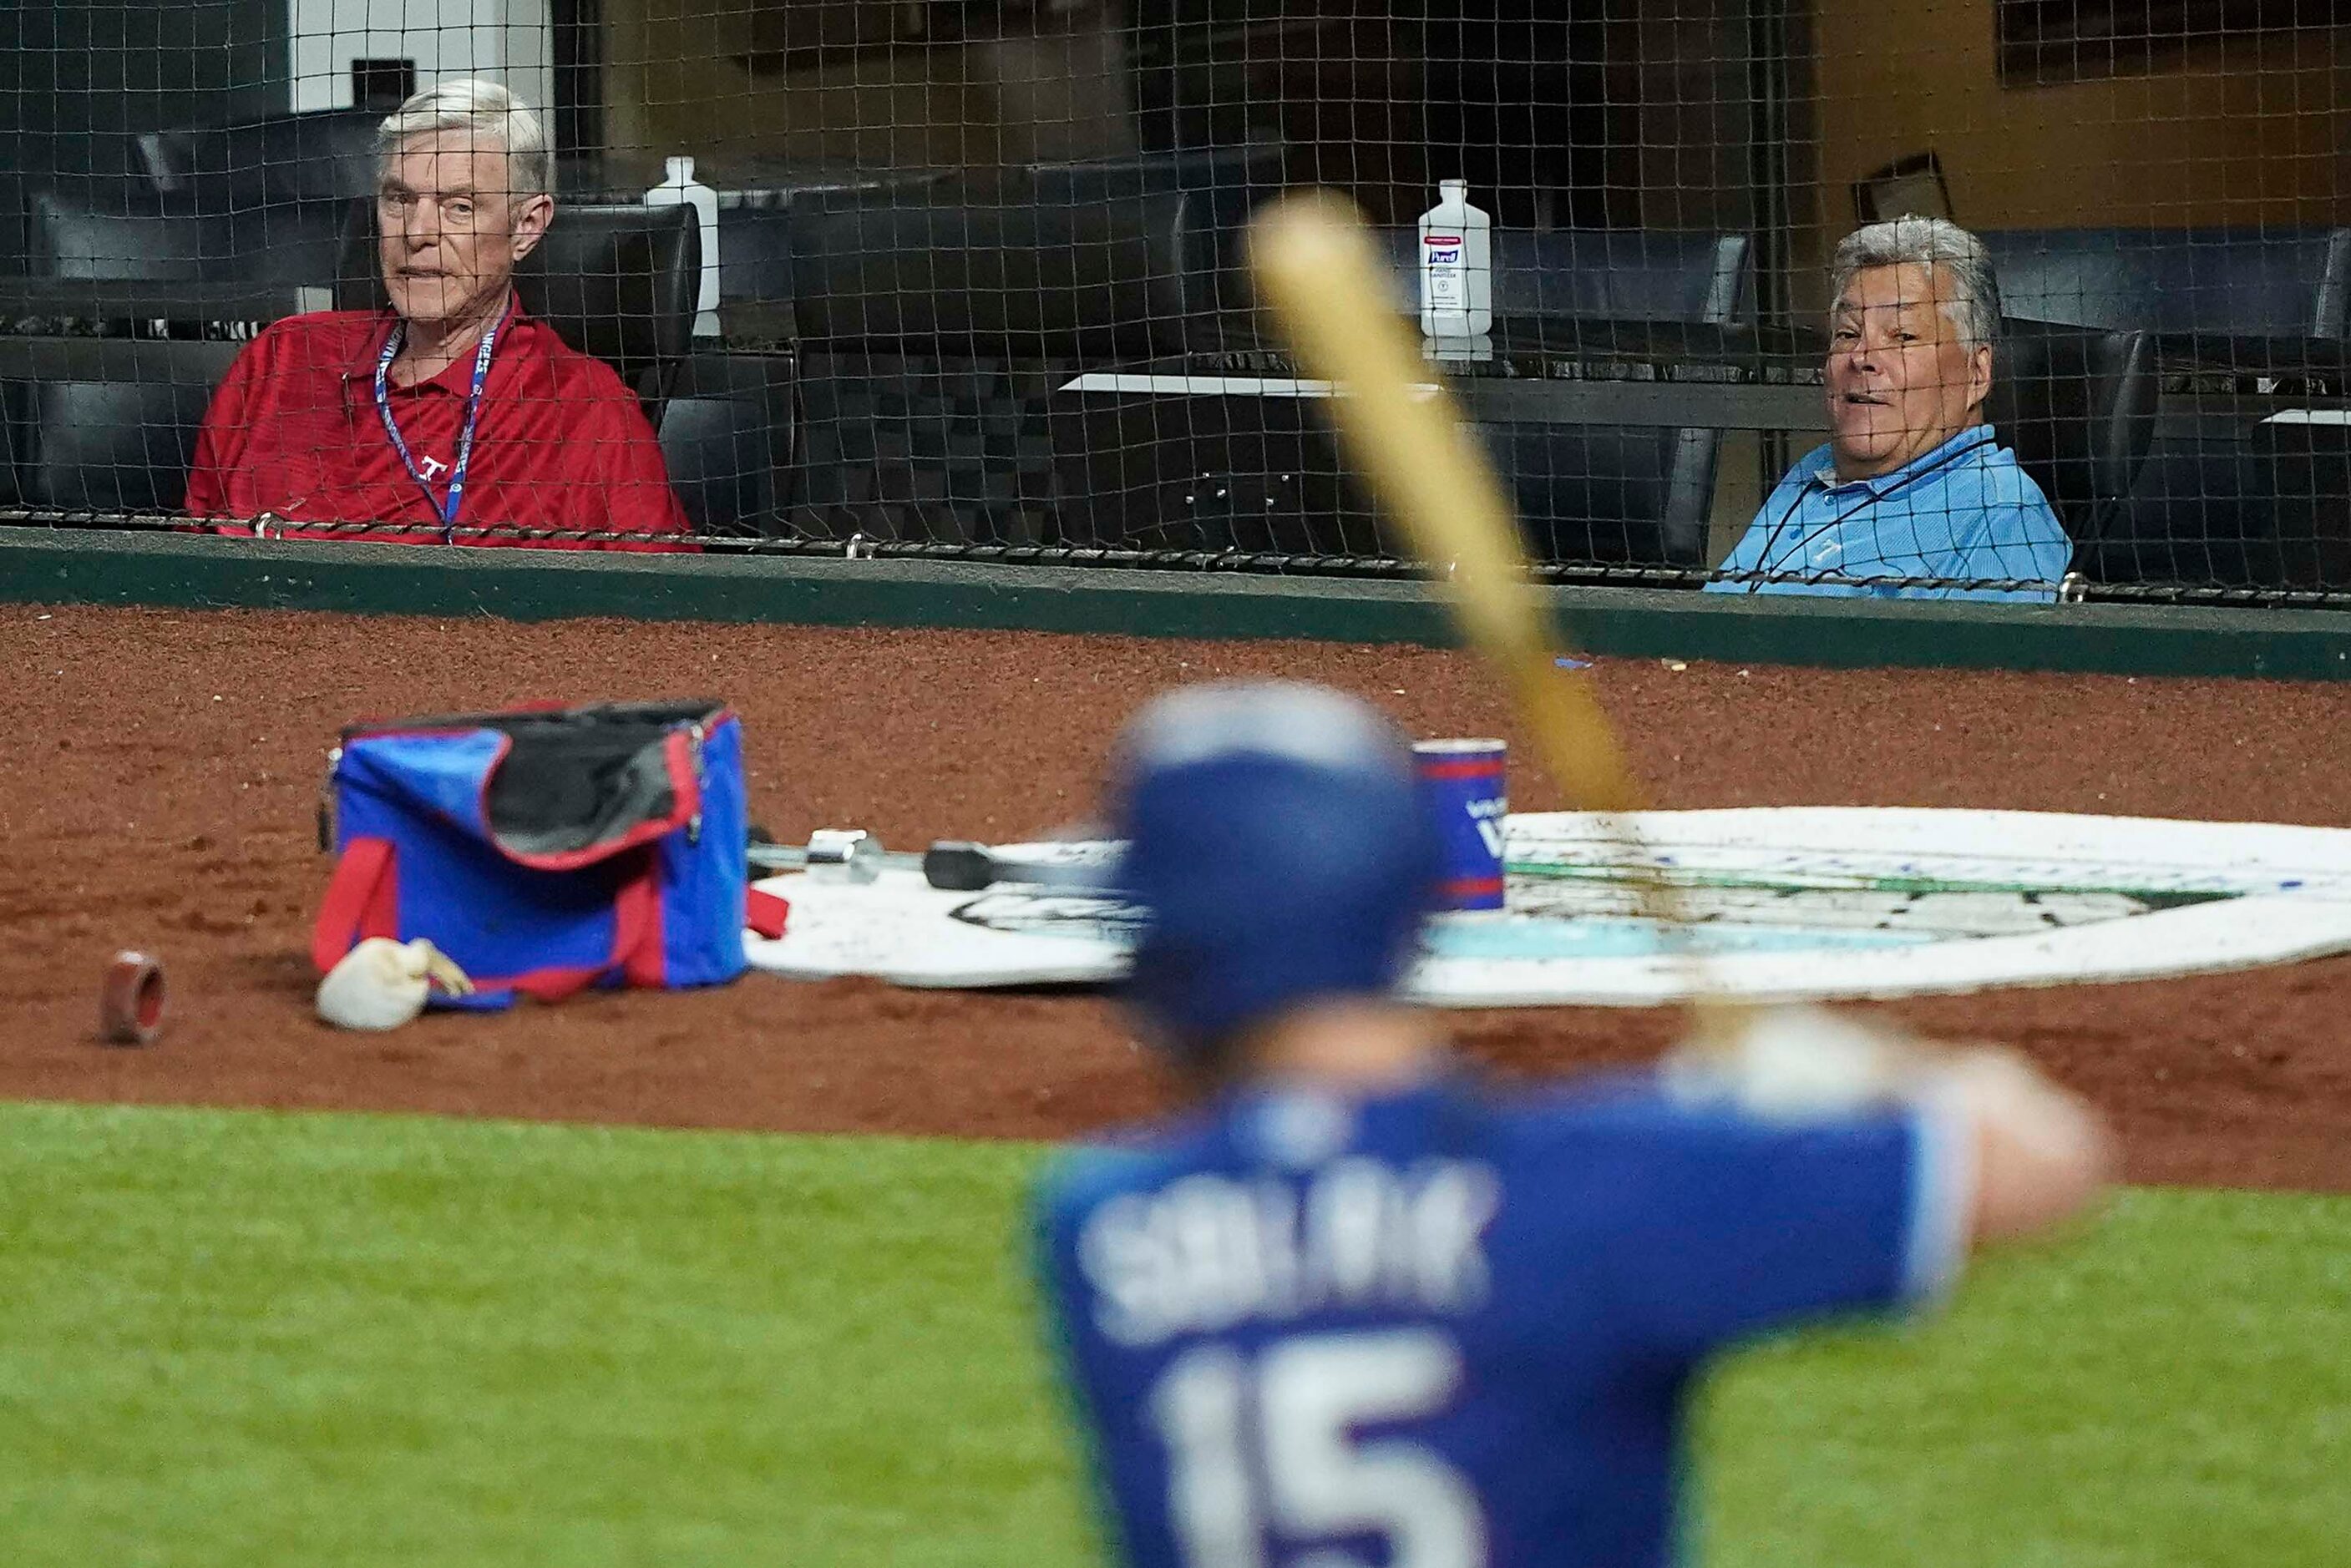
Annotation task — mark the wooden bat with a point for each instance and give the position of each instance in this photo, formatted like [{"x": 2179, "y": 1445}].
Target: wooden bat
[{"x": 1315, "y": 266}]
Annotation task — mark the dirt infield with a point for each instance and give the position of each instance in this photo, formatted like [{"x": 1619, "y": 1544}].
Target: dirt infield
[{"x": 159, "y": 788}]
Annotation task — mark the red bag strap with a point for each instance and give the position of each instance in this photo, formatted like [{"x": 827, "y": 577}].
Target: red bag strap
[{"x": 362, "y": 900}]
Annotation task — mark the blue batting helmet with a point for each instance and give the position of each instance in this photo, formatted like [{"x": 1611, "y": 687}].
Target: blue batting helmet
[{"x": 1278, "y": 846}]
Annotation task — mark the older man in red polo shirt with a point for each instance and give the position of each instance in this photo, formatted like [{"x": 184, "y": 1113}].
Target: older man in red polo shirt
[{"x": 455, "y": 410}]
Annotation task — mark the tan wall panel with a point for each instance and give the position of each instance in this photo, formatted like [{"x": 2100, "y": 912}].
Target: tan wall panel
[{"x": 2252, "y": 131}]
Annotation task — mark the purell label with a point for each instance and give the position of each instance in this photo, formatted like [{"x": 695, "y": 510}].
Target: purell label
[{"x": 1444, "y": 285}]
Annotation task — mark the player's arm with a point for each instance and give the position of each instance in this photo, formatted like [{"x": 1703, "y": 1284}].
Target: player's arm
[
  {"x": 1813, "y": 1165},
  {"x": 2031, "y": 1153}
]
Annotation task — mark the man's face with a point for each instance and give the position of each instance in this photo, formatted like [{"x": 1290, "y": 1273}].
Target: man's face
[
  {"x": 1901, "y": 381},
  {"x": 450, "y": 232}
]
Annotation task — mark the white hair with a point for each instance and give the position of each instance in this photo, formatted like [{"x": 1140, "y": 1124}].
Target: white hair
[
  {"x": 490, "y": 113},
  {"x": 1929, "y": 243}
]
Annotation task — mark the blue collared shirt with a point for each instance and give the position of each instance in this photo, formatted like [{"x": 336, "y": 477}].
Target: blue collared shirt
[{"x": 1961, "y": 511}]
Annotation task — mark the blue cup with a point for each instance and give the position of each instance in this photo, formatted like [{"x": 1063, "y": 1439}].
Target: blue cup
[{"x": 1464, "y": 787}]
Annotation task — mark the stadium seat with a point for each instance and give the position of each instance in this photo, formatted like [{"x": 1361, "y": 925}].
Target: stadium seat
[
  {"x": 111, "y": 424},
  {"x": 16, "y": 438},
  {"x": 2077, "y": 408},
  {"x": 617, "y": 282},
  {"x": 953, "y": 449},
  {"x": 16, "y": 226},
  {"x": 727, "y": 439},
  {"x": 2300, "y": 473},
  {"x": 1618, "y": 275},
  {"x": 1591, "y": 495},
  {"x": 2281, "y": 283},
  {"x": 2202, "y": 509},
  {"x": 1015, "y": 273},
  {"x": 754, "y": 255},
  {"x": 938, "y": 316},
  {"x": 1176, "y": 471},
  {"x": 289, "y": 242},
  {"x": 321, "y": 155}
]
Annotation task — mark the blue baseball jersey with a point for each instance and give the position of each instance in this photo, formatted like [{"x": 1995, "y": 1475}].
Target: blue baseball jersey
[
  {"x": 1441, "y": 1329},
  {"x": 1963, "y": 511}
]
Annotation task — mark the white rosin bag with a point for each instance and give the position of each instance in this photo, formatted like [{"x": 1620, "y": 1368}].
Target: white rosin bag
[{"x": 1784, "y": 904}]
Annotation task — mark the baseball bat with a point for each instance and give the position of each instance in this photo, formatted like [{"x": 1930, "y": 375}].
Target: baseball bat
[{"x": 1315, "y": 266}]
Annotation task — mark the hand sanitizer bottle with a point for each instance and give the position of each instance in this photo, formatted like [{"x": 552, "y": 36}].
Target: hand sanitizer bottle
[
  {"x": 1456, "y": 267},
  {"x": 680, "y": 188}
]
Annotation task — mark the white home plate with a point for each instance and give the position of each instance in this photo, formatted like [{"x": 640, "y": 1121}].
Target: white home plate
[{"x": 1784, "y": 904}]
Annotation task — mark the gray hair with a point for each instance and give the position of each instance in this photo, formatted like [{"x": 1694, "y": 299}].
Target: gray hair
[
  {"x": 1930, "y": 242},
  {"x": 492, "y": 114}
]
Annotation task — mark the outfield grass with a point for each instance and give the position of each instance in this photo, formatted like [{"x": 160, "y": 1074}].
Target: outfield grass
[{"x": 233, "y": 1337}]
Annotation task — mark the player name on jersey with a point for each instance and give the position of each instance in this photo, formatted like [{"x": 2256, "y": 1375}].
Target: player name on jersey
[{"x": 1208, "y": 1252}]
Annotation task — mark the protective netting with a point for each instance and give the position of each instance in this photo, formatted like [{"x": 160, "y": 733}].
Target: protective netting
[{"x": 977, "y": 285}]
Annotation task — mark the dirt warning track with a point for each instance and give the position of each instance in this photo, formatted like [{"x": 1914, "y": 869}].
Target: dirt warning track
[{"x": 160, "y": 787}]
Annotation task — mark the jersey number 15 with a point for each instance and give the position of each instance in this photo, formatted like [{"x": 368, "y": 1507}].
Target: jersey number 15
[{"x": 1265, "y": 1446}]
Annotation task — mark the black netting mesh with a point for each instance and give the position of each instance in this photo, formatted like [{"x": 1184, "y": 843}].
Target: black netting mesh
[{"x": 978, "y": 287}]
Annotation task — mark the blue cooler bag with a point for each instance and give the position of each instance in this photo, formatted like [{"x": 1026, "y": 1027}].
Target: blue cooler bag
[{"x": 543, "y": 851}]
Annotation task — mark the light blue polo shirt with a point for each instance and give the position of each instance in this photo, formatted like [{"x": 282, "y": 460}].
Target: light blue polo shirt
[{"x": 1963, "y": 509}]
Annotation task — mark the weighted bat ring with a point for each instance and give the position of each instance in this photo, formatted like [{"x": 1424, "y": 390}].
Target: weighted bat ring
[{"x": 130, "y": 1001}]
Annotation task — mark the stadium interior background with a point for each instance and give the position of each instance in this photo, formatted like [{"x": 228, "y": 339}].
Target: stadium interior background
[{"x": 980, "y": 286}]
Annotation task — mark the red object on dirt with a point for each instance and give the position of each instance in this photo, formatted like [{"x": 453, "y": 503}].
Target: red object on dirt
[
  {"x": 130, "y": 1000},
  {"x": 766, "y": 913}
]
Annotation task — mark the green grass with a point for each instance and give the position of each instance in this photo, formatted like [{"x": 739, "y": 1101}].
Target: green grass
[{"x": 242, "y": 1338}]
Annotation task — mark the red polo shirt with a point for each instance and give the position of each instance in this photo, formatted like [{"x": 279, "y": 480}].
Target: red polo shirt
[{"x": 560, "y": 442}]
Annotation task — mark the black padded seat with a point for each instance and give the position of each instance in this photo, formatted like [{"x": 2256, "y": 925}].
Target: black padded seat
[
  {"x": 755, "y": 253},
  {"x": 2301, "y": 473},
  {"x": 2281, "y": 283},
  {"x": 111, "y": 424},
  {"x": 286, "y": 243},
  {"x": 1040, "y": 266},
  {"x": 2077, "y": 408},
  {"x": 1603, "y": 495},
  {"x": 1618, "y": 275},
  {"x": 320, "y": 155},
  {"x": 617, "y": 282},
  {"x": 1207, "y": 472},
  {"x": 938, "y": 317},
  {"x": 16, "y": 226},
  {"x": 15, "y": 439},
  {"x": 1609, "y": 494},
  {"x": 922, "y": 447},
  {"x": 727, "y": 439},
  {"x": 755, "y": 238},
  {"x": 2201, "y": 509}
]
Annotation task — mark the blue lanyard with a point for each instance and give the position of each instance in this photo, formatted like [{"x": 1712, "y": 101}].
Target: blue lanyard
[
  {"x": 446, "y": 510},
  {"x": 1763, "y": 562}
]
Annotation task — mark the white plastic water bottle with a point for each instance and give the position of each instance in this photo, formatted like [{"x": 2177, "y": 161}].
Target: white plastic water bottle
[
  {"x": 1456, "y": 267},
  {"x": 679, "y": 188}
]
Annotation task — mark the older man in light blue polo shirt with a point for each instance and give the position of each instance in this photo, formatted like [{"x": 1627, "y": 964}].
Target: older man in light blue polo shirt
[{"x": 1913, "y": 485}]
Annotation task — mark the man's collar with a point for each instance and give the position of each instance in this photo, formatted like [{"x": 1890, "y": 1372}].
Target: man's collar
[
  {"x": 386, "y": 318},
  {"x": 1949, "y": 451}
]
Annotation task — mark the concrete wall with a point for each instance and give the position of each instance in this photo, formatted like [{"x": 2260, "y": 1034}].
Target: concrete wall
[{"x": 510, "y": 41}]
